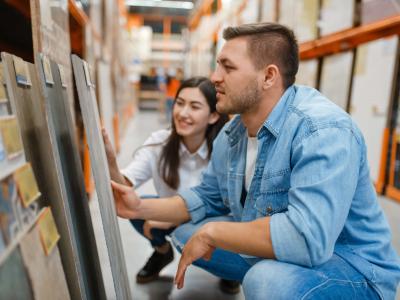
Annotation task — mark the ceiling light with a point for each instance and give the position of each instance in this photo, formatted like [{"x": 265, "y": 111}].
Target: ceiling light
[{"x": 158, "y": 3}]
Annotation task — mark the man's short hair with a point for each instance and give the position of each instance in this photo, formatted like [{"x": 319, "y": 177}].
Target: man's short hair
[{"x": 269, "y": 43}]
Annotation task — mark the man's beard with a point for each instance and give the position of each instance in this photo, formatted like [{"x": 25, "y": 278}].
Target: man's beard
[{"x": 247, "y": 100}]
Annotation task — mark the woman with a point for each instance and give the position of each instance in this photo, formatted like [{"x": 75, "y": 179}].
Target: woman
[{"x": 174, "y": 159}]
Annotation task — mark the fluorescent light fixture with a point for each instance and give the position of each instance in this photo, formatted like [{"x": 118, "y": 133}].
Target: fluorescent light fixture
[{"x": 158, "y": 3}]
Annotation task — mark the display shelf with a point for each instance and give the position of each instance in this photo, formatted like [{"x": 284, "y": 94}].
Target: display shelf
[
  {"x": 21, "y": 6},
  {"x": 7, "y": 167},
  {"x": 15, "y": 242},
  {"x": 18, "y": 39},
  {"x": 350, "y": 38}
]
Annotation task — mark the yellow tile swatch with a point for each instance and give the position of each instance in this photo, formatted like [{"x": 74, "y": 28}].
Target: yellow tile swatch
[
  {"x": 11, "y": 138},
  {"x": 26, "y": 184},
  {"x": 48, "y": 232}
]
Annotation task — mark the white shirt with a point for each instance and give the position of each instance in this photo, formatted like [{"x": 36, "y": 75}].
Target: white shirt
[
  {"x": 251, "y": 156},
  {"x": 145, "y": 165}
]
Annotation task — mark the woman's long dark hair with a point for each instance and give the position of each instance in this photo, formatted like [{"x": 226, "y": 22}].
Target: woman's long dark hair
[{"x": 169, "y": 159}]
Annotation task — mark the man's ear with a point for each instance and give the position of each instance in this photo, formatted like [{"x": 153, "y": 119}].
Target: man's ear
[
  {"x": 271, "y": 74},
  {"x": 213, "y": 118}
]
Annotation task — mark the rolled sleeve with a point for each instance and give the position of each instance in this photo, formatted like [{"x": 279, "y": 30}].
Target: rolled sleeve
[
  {"x": 194, "y": 204},
  {"x": 131, "y": 177},
  {"x": 288, "y": 245}
]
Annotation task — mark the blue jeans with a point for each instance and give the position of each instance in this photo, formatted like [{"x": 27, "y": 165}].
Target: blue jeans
[
  {"x": 159, "y": 235},
  {"x": 272, "y": 279}
]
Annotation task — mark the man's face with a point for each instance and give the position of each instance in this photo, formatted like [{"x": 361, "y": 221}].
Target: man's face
[{"x": 236, "y": 79}]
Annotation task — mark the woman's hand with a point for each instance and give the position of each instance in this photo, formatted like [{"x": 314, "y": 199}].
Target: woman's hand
[
  {"x": 149, "y": 225},
  {"x": 111, "y": 157},
  {"x": 126, "y": 201},
  {"x": 115, "y": 174}
]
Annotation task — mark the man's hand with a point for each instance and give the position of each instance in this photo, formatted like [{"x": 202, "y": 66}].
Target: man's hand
[
  {"x": 199, "y": 246},
  {"x": 126, "y": 201},
  {"x": 255, "y": 240}
]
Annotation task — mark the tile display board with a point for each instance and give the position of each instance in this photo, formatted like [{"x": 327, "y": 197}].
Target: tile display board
[
  {"x": 375, "y": 10},
  {"x": 30, "y": 263},
  {"x": 10, "y": 288},
  {"x": 308, "y": 73},
  {"x": 269, "y": 10},
  {"x": 300, "y": 16},
  {"x": 61, "y": 124},
  {"x": 336, "y": 15},
  {"x": 91, "y": 120},
  {"x": 45, "y": 271},
  {"x": 371, "y": 92},
  {"x": 27, "y": 102},
  {"x": 336, "y": 76}
]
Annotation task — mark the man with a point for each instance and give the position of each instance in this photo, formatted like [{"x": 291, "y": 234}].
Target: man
[{"x": 286, "y": 204}]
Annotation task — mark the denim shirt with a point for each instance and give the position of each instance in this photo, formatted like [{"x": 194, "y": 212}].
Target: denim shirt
[{"x": 312, "y": 179}]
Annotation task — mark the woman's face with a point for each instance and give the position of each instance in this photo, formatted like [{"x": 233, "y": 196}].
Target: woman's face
[{"x": 191, "y": 113}]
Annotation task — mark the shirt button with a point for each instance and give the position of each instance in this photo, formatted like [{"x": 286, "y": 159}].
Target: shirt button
[{"x": 269, "y": 209}]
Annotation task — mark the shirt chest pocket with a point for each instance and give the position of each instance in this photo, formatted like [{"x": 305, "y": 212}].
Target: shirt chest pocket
[
  {"x": 273, "y": 196},
  {"x": 223, "y": 188}
]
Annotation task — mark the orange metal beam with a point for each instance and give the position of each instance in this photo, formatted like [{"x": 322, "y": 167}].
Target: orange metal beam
[
  {"x": 77, "y": 13},
  {"x": 148, "y": 17},
  {"x": 393, "y": 193},
  {"x": 350, "y": 38},
  {"x": 380, "y": 183},
  {"x": 195, "y": 19}
]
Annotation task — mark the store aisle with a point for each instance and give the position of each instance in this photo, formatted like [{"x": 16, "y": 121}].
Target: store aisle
[{"x": 198, "y": 284}]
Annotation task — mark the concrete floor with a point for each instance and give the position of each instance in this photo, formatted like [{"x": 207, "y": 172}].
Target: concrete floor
[{"x": 198, "y": 283}]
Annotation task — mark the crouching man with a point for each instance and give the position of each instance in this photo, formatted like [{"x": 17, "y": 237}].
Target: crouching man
[{"x": 286, "y": 205}]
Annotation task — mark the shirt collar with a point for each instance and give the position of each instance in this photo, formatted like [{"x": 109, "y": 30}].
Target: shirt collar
[
  {"x": 277, "y": 117},
  {"x": 202, "y": 152}
]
